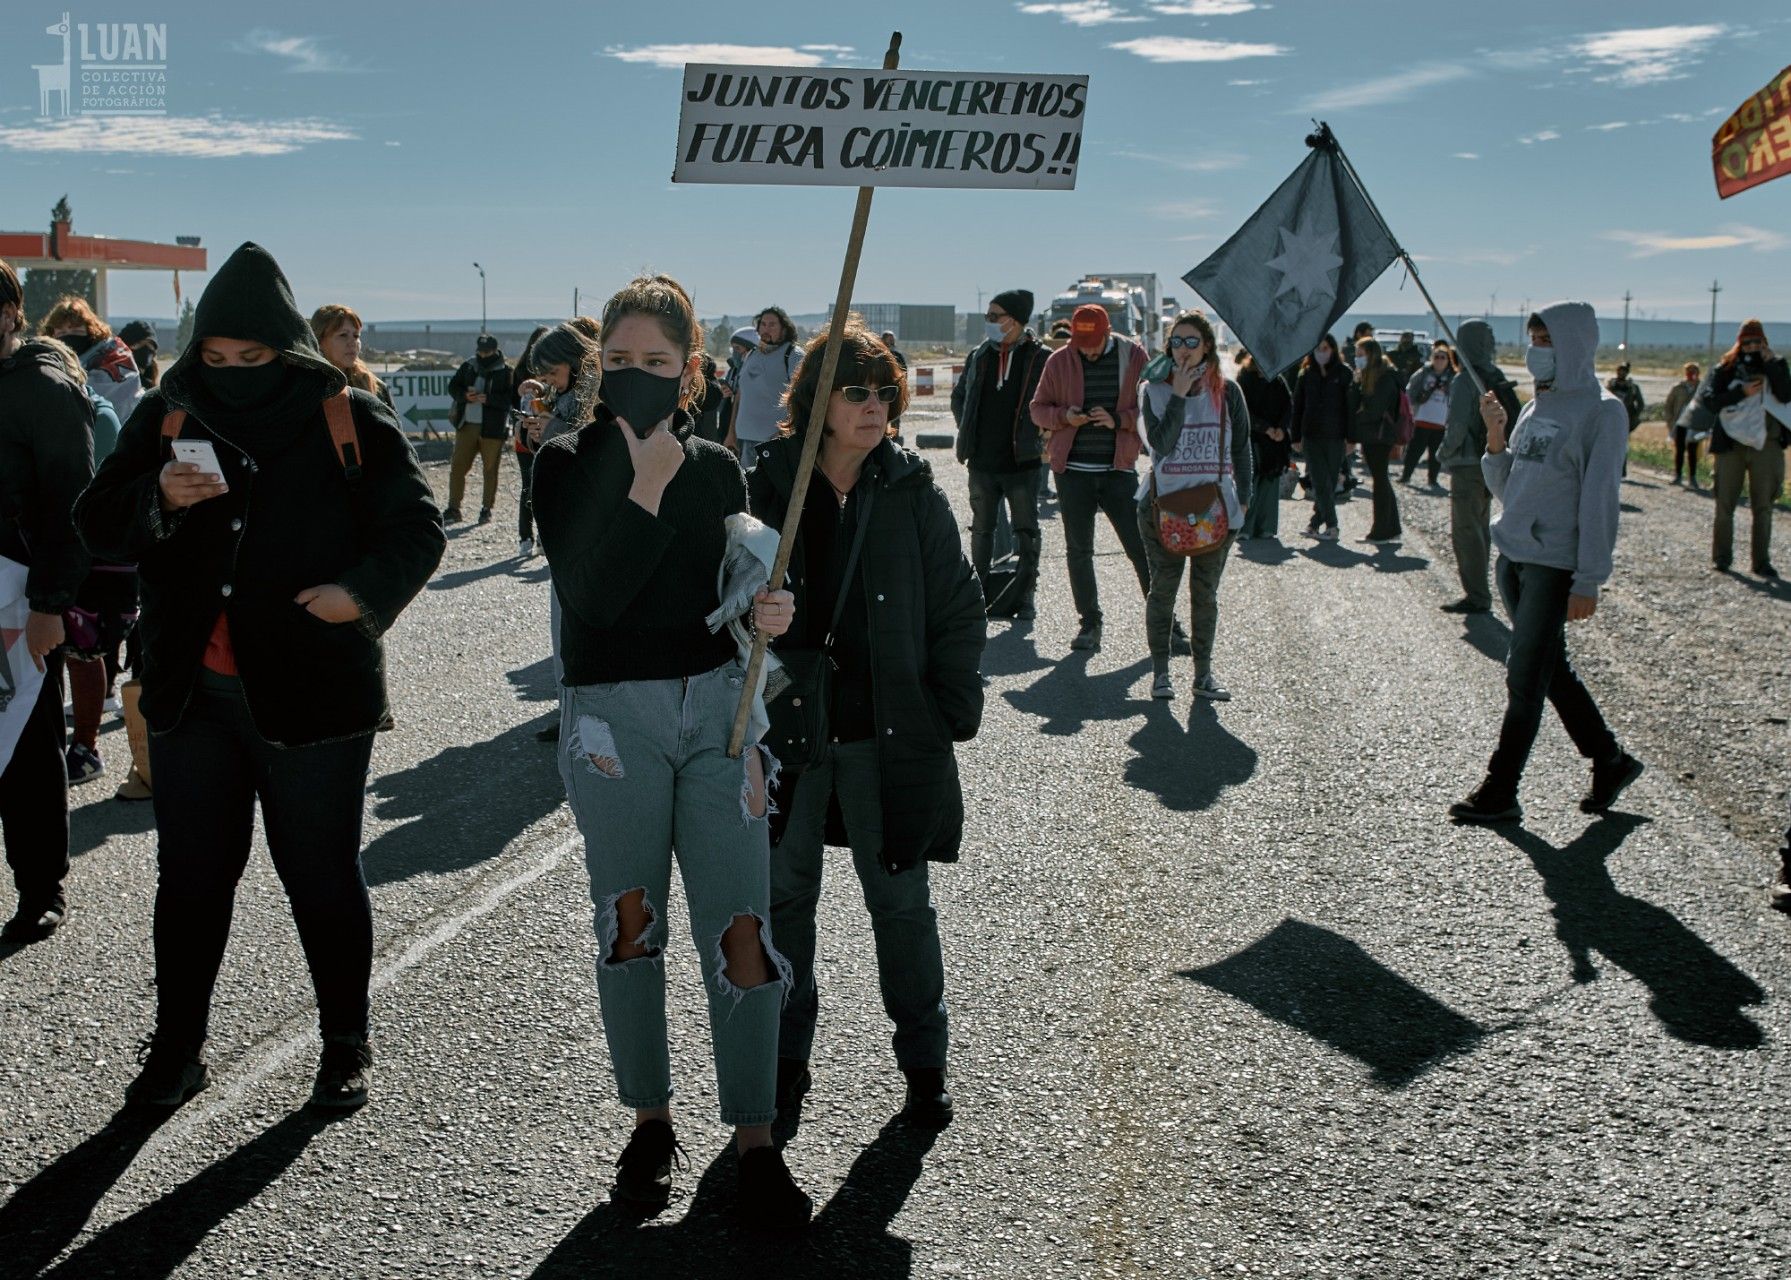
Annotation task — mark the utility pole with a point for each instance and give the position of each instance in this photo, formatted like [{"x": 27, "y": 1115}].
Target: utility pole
[
  {"x": 574, "y": 299},
  {"x": 1710, "y": 356},
  {"x": 481, "y": 271},
  {"x": 1626, "y": 302}
]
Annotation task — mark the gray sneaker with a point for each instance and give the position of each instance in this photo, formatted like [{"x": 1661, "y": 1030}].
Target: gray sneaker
[
  {"x": 1162, "y": 687},
  {"x": 1328, "y": 533},
  {"x": 1207, "y": 687}
]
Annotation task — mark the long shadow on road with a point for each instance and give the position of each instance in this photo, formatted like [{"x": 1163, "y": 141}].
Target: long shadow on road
[
  {"x": 155, "y": 1240},
  {"x": 1695, "y": 992},
  {"x": 44, "y": 1215},
  {"x": 1068, "y": 697},
  {"x": 1327, "y": 987},
  {"x": 850, "y": 1236},
  {"x": 1187, "y": 768}
]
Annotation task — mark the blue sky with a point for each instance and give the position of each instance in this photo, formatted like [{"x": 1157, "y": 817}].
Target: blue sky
[{"x": 1528, "y": 149}]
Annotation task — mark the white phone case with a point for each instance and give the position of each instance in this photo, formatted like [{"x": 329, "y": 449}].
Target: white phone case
[{"x": 198, "y": 451}]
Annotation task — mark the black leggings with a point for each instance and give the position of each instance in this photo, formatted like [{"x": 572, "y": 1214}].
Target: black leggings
[
  {"x": 1684, "y": 450},
  {"x": 209, "y": 772},
  {"x": 525, "y": 503}
]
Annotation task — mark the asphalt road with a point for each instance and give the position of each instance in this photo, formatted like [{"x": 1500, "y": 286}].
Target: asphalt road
[{"x": 1228, "y": 995}]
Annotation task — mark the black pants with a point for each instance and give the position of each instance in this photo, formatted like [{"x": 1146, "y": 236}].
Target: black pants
[
  {"x": 1538, "y": 669},
  {"x": 1385, "y": 523},
  {"x": 1020, "y": 491},
  {"x": 1080, "y": 494},
  {"x": 1684, "y": 450},
  {"x": 209, "y": 772},
  {"x": 525, "y": 503},
  {"x": 1424, "y": 445},
  {"x": 1323, "y": 457},
  {"x": 34, "y": 798}
]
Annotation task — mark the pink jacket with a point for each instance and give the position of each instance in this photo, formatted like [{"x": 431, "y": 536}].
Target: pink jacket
[{"x": 1060, "y": 390}]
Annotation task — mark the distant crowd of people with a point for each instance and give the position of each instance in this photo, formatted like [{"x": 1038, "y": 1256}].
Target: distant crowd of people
[{"x": 149, "y": 519}]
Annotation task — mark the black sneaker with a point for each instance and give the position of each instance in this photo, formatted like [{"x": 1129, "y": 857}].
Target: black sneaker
[
  {"x": 769, "y": 1196},
  {"x": 644, "y": 1169},
  {"x": 451, "y": 515},
  {"x": 169, "y": 1077},
  {"x": 1088, "y": 639},
  {"x": 929, "y": 1103},
  {"x": 549, "y": 734},
  {"x": 1609, "y": 781},
  {"x": 344, "y": 1074},
  {"x": 484, "y": 515},
  {"x": 793, "y": 1082},
  {"x": 1765, "y": 571},
  {"x": 1464, "y": 605},
  {"x": 1485, "y": 806},
  {"x": 34, "y": 923}
]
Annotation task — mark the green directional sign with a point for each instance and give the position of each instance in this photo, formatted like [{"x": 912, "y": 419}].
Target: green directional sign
[{"x": 417, "y": 414}]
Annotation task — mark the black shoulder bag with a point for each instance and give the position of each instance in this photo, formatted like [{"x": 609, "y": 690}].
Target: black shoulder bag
[{"x": 799, "y": 731}]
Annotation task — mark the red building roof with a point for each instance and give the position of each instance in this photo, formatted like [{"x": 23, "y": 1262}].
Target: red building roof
[{"x": 60, "y": 247}]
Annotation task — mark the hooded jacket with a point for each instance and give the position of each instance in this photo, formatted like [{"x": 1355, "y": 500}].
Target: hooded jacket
[
  {"x": 1060, "y": 391},
  {"x": 46, "y": 459},
  {"x": 926, "y": 628},
  {"x": 494, "y": 414},
  {"x": 1464, "y": 433},
  {"x": 1027, "y": 362},
  {"x": 293, "y": 518},
  {"x": 1558, "y": 477}
]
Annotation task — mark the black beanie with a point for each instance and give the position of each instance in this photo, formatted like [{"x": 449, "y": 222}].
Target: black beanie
[
  {"x": 1017, "y": 303},
  {"x": 137, "y": 332}
]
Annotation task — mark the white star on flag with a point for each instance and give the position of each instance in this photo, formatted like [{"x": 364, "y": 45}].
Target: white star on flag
[{"x": 1307, "y": 259}]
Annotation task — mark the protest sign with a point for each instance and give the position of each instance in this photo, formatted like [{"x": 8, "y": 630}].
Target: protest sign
[
  {"x": 830, "y": 126},
  {"x": 420, "y": 397},
  {"x": 1754, "y": 144}
]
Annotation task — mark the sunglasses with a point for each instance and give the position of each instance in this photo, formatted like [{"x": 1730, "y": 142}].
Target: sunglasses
[
  {"x": 858, "y": 395},
  {"x": 1189, "y": 343},
  {"x": 995, "y": 316}
]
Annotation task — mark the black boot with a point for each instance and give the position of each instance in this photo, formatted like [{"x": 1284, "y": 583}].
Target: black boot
[
  {"x": 344, "y": 1074},
  {"x": 644, "y": 1169},
  {"x": 1609, "y": 778},
  {"x": 1485, "y": 805},
  {"x": 1781, "y": 892},
  {"x": 171, "y": 1074},
  {"x": 929, "y": 1103}
]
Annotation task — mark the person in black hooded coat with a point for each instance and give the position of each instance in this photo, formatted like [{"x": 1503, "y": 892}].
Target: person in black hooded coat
[
  {"x": 906, "y": 688},
  {"x": 266, "y": 587}
]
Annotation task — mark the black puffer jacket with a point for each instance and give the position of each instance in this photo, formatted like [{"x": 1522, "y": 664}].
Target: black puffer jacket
[
  {"x": 46, "y": 459},
  {"x": 292, "y": 519},
  {"x": 1321, "y": 403},
  {"x": 927, "y": 628}
]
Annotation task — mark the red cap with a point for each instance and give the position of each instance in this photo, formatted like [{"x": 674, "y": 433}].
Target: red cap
[{"x": 1089, "y": 326}]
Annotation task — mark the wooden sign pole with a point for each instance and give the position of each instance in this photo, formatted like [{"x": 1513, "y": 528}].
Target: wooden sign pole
[{"x": 811, "y": 442}]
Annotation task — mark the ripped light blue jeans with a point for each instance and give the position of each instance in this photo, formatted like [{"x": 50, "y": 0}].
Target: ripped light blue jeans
[{"x": 647, "y": 772}]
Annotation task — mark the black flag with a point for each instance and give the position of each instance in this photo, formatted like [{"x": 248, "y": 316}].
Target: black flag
[{"x": 1288, "y": 273}]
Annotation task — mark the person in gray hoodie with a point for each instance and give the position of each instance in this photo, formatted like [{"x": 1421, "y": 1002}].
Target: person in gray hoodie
[
  {"x": 765, "y": 375},
  {"x": 1557, "y": 481},
  {"x": 1464, "y": 441}
]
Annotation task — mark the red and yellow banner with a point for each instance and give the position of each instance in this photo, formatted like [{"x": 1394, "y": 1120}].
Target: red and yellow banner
[{"x": 1754, "y": 144}]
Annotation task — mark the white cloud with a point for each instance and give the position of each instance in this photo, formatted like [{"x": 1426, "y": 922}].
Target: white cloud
[
  {"x": 1383, "y": 89},
  {"x": 1645, "y": 55},
  {"x": 672, "y": 57},
  {"x": 1545, "y": 135},
  {"x": 1609, "y": 126},
  {"x": 1205, "y": 8},
  {"x": 1182, "y": 209},
  {"x": 1084, "y": 13},
  {"x": 191, "y": 137},
  {"x": 303, "y": 53},
  {"x": 1246, "y": 84},
  {"x": 1210, "y": 162},
  {"x": 1188, "y": 49},
  {"x": 1647, "y": 244},
  {"x": 1467, "y": 155}
]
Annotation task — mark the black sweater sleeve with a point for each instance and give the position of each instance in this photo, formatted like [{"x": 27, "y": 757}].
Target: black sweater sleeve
[
  {"x": 61, "y": 428},
  {"x": 957, "y": 619},
  {"x": 120, "y": 516},
  {"x": 603, "y": 555},
  {"x": 398, "y": 525}
]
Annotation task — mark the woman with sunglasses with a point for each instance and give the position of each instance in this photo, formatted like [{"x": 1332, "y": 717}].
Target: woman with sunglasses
[{"x": 905, "y": 687}]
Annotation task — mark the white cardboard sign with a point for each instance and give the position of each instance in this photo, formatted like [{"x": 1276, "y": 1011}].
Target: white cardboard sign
[{"x": 836, "y": 126}]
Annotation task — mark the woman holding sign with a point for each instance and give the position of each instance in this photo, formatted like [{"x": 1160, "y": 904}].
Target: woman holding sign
[
  {"x": 633, "y": 513},
  {"x": 280, "y": 524}
]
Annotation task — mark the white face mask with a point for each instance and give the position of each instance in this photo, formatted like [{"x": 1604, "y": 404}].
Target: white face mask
[
  {"x": 994, "y": 332},
  {"x": 1322, "y": 355},
  {"x": 1540, "y": 361},
  {"x": 1361, "y": 362}
]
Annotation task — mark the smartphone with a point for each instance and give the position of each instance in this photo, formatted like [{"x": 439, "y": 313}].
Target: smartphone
[{"x": 201, "y": 452}]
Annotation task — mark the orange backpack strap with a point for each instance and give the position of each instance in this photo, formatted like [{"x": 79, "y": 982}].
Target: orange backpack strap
[{"x": 339, "y": 413}]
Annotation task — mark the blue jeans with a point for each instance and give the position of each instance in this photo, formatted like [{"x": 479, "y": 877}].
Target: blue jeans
[
  {"x": 209, "y": 771},
  {"x": 910, "y": 966},
  {"x": 1537, "y": 670},
  {"x": 647, "y": 772}
]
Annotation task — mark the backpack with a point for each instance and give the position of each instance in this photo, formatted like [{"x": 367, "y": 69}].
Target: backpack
[{"x": 336, "y": 412}]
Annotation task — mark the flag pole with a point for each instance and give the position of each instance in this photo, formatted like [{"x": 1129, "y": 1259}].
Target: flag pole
[
  {"x": 1325, "y": 138},
  {"x": 811, "y": 441}
]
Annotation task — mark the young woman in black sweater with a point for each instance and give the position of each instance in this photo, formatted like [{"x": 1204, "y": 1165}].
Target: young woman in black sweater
[
  {"x": 266, "y": 585},
  {"x": 632, "y": 511}
]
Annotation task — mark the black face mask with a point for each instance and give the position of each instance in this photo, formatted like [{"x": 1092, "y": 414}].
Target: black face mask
[
  {"x": 639, "y": 397},
  {"x": 79, "y": 343},
  {"x": 244, "y": 386}
]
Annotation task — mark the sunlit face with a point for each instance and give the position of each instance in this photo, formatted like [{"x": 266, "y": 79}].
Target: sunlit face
[
  {"x": 221, "y": 352},
  {"x": 771, "y": 329},
  {"x": 857, "y": 426},
  {"x": 1185, "y": 355},
  {"x": 557, "y": 376},
  {"x": 639, "y": 342},
  {"x": 343, "y": 345}
]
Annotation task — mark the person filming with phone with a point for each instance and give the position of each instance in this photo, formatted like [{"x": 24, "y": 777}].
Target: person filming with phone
[{"x": 280, "y": 524}]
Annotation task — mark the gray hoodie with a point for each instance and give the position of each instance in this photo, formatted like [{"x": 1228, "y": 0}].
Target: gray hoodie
[
  {"x": 1464, "y": 434},
  {"x": 1558, "y": 478}
]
